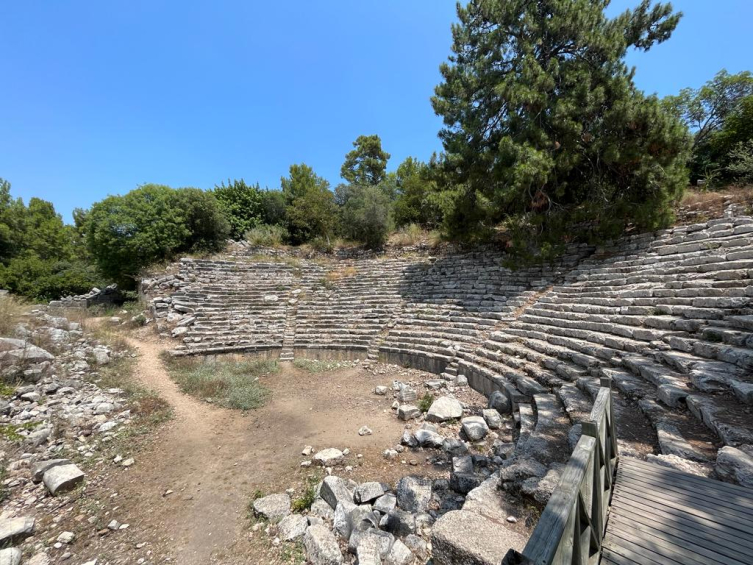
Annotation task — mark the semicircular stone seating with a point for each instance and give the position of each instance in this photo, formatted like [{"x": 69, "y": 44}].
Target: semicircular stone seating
[{"x": 668, "y": 317}]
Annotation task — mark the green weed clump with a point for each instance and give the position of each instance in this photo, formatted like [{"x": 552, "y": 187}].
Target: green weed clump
[
  {"x": 425, "y": 403},
  {"x": 224, "y": 382}
]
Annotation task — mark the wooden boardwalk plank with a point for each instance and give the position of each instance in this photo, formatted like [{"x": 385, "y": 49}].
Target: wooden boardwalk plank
[
  {"x": 738, "y": 496},
  {"x": 708, "y": 504},
  {"x": 713, "y": 551},
  {"x": 693, "y": 488},
  {"x": 631, "y": 463},
  {"x": 687, "y": 529},
  {"x": 660, "y": 516}
]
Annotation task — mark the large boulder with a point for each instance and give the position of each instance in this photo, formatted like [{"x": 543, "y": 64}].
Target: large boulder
[
  {"x": 368, "y": 492},
  {"x": 414, "y": 493},
  {"x": 41, "y": 467},
  {"x": 273, "y": 507},
  {"x": 62, "y": 478},
  {"x": 462, "y": 537},
  {"x": 292, "y": 527},
  {"x": 15, "y": 529},
  {"x": 321, "y": 546},
  {"x": 399, "y": 554},
  {"x": 334, "y": 490},
  {"x": 475, "y": 428},
  {"x": 428, "y": 436},
  {"x": 18, "y": 350},
  {"x": 500, "y": 402},
  {"x": 444, "y": 408},
  {"x": 735, "y": 466},
  {"x": 10, "y": 556}
]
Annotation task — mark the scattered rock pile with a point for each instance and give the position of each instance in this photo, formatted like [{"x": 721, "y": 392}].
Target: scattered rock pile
[
  {"x": 54, "y": 420},
  {"x": 95, "y": 297}
]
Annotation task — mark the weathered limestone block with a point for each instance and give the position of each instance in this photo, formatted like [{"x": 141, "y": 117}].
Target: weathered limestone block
[{"x": 462, "y": 537}]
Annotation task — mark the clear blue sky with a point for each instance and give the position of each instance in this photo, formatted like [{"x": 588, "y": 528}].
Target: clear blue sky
[{"x": 99, "y": 97}]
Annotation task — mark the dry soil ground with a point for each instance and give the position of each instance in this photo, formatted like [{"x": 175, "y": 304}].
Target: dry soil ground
[{"x": 186, "y": 497}]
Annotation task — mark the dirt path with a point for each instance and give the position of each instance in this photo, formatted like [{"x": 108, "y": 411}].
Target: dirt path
[{"x": 213, "y": 459}]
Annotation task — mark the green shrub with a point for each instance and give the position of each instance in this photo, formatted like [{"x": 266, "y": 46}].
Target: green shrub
[
  {"x": 241, "y": 205},
  {"x": 152, "y": 223},
  {"x": 267, "y": 236},
  {"x": 309, "y": 496},
  {"x": 425, "y": 403},
  {"x": 740, "y": 167},
  {"x": 366, "y": 216}
]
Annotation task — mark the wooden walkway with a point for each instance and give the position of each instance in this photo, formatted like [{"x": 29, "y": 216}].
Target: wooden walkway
[{"x": 660, "y": 516}]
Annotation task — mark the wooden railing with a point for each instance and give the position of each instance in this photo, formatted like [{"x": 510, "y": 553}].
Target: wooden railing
[{"x": 572, "y": 525}]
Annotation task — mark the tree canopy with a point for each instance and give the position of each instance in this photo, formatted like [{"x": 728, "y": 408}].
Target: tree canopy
[
  {"x": 366, "y": 164},
  {"x": 310, "y": 205},
  {"x": 152, "y": 223},
  {"x": 241, "y": 204},
  {"x": 705, "y": 109},
  {"x": 40, "y": 257},
  {"x": 543, "y": 124}
]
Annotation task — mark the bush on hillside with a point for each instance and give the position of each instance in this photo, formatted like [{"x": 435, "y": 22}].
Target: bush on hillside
[
  {"x": 149, "y": 224},
  {"x": 366, "y": 216},
  {"x": 41, "y": 258},
  {"x": 273, "y": 208},
  {"x": 267, "y": 236},
  {"x": 241, "y": 204},
  {"x": 310, "y": 205}
]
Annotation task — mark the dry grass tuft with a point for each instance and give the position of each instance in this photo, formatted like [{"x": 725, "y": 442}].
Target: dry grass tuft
[
  {"x": 339, "y": 274},
  {"x": 702, "y": 205},
  {"x": 412, "y": 235},
  {"x": 12, "y": 311}
]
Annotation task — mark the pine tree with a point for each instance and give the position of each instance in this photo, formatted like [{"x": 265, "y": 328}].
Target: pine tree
[{"x": 544, "y": 127}]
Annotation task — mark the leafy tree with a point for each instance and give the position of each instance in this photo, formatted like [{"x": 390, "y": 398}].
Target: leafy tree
[
  {"x": 415, "y": 187},
  {"x": 310, "y": 205},
  {"x": 544, "y": 127},
  {"x": 151, "y": 223},
  {"x": 241, "y": 204},
  {"x": 40, "y": 257},
  {"x": 366, "y": 164},
  {"x": 740, "y": 166},
  {"x": 12, "y": 217},
  {"x": 273, "y": 208},
  {"x": 366, "y": 215},
  {"x": 705, "y": 109}
]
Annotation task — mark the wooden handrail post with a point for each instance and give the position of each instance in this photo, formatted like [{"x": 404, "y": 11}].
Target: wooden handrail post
[{"x": 580, "y": 502}]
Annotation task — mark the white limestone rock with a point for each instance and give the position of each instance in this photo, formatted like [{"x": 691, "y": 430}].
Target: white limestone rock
[
  {"x": 15, "y": 529},
  {"x": 329, "y": 457},
  {"x": 334, "y": 490},
  {"x": 62, "y": 478},
  {"x": 492, "y": 418},
  {"x": 321, "y": 546},
  {"x": 444, "y": 408},
  {"x": 292, "y": 527},
  {"x": 734, "y": 465},
  {"x": 475, "y": 428},
  {"x": 10, "y": 556},
  {"x": 368, "y": 492},
  {"x": 464, "y": 537},
  {"x": 273, "y": 507}
]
